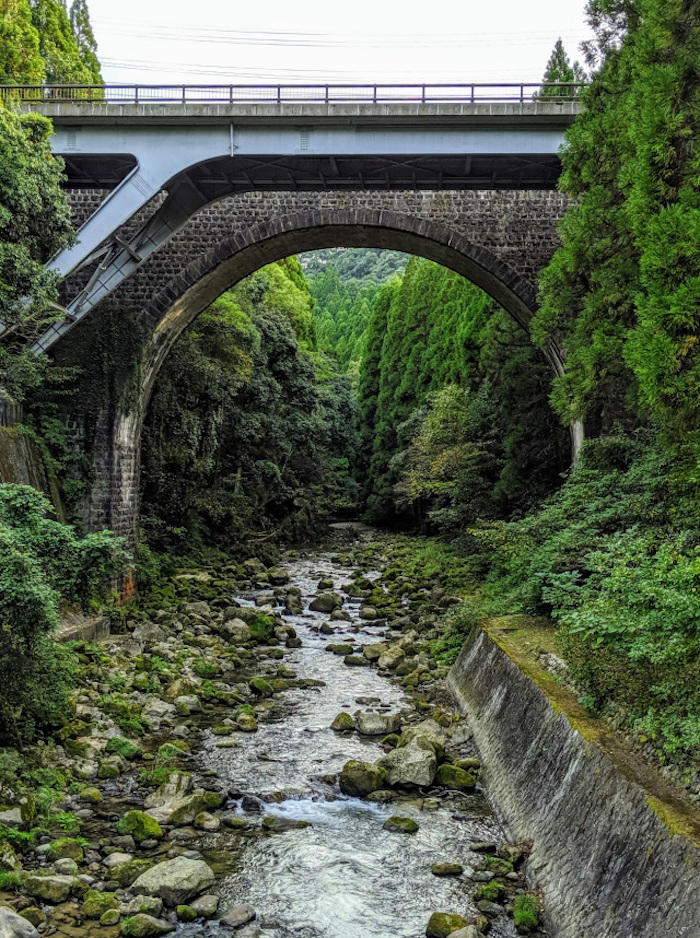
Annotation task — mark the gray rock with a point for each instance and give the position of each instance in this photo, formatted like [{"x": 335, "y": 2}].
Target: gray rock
[
  {"x": 391, "y": 657},
  {"x": 237, "y": 631},
  {"x": 52, "y": 888},
  {"x": 428, "y": 730},
  {"x": 66, "y": 867},
  {"x": 197, "y": 609},
  {"x": 145, "y": 926},
  {"x": 238, "y": 915},
  {"x": 12, "y": 817},
  {"x": 150, "y": 905},
  {"x": 175, "y": 881},
  {"x": 206, "y": 906},
  {"x": 412, "y": 765},
  {"x": 326, "y": 602},
  {"x": 471, "y": 931},
  {"x": 377, "y": 724},
  {"x": 13, "y": 925},
  {"x": 156, "y": 709},
  {"x": 177, "y": 786},
  {"x": 191, "y": 701},
  {"x": 116, "y": 859}
]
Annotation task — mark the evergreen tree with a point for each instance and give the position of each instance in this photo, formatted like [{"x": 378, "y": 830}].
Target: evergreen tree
[
  {"x": 85, "y": 39},
  {"x": 560, "y": 70},
  {"x": 62, "y": 57},
  {"x": 20, "y": 58}
]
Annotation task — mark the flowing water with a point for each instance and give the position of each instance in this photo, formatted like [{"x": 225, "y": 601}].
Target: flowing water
[{"x": 344, "y": 876}]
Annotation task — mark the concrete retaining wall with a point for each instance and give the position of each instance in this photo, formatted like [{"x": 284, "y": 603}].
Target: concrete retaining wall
[{"x": 615, "y": 846}]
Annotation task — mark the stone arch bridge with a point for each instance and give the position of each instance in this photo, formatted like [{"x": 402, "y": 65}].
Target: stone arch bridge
[{"x": 470, "y": 186}]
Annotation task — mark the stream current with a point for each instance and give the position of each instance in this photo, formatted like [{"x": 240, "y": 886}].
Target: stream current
[{"x": 344, "y": 876}]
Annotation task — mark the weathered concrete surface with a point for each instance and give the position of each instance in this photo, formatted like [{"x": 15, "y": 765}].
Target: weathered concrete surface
[
  {"x": 615, "y": 845},
  {"x": 21, "y": 463}
]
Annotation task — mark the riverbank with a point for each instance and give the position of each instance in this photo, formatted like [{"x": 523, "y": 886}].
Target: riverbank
[{"x": 205, "y": 785}]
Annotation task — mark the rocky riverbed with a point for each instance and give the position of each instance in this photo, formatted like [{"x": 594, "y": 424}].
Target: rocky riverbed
[{"x": 270, "y": 751}]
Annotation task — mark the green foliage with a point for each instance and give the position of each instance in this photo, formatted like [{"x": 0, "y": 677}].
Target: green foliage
[
  {"x": 123, "y": 747},
  {"x": 559, "y": 69},
  {"x": 249, "y": 434},
  {"x": 452, "y": 406},
  {"x": 20, "y": 59},
  {"x": 34, "y": 224},
  {"x": 457, "y": 624},
  {"x": 9, "y": 880},
  {"x": 526, "y": 911}
]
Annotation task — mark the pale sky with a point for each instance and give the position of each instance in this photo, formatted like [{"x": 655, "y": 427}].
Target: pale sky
[{"x": 318, "y": 41}]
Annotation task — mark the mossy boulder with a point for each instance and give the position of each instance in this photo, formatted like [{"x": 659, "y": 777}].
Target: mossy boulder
[
  {"x": 145, "y": 926},
  {"x": 123, "y": 747},
  {"x": 442, "y": 924},
  {"x": 401, "y": 825},
  {"x": 453, "y": 777},
  {"x": 186, "y": 913},
  {"x": 343, "y": 722},
  {"x": 359, "y": 779},
  {"x": 111, "y": 917},
  {"x": 445, "y": 868},
  {"x": 140, "y": 825},
  {"x": 53, "y": 889},
  {"x": 34, "y": 915},
  {"x": 246, "y": 723},
  {"x": 96, "y": 903},
  {"x": 261, "y": 687},
  {"x": 91, "y": 794},
  {"x": 326, "y": 602},
  {"x": 65, "y": 848},
  {"x": 127, "y": 873}
]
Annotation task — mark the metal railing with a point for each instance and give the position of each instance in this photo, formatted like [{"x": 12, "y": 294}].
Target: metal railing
[{"x": 475, "y": 93}]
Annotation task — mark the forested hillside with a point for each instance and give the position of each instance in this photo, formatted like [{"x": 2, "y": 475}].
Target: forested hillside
[
  {"x": 344, "y": 284},
  {"x": 251, "y": 433}
]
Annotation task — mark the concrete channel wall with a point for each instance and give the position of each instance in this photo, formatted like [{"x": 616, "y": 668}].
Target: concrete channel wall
[{"x": 615, "y": 845}]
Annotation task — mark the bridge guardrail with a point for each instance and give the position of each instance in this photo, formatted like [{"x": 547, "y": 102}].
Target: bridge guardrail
[{"x": 475, "y": 93}]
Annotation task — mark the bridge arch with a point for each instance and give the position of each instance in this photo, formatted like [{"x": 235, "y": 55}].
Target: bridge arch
[
  {"x": 499, "y": 240},
  {"x": 231, "y": 260}
]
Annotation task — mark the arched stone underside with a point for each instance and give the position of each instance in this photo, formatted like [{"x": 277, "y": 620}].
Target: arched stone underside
[{"x": 500, "y": 240}]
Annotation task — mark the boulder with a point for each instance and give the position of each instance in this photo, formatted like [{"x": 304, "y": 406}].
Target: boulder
[
  {"x": 236, "y": 631},
  {"x": 177, "y": 785},
  {"x": 145, "y": 926},
  {"x": 375, "y": 651},
  {"x": 206, "y": 906},
  {"x": 238, "y": 915},
  {"x": 358, "y": 779},
  {"x": 400, "y": 825},
  {"x": 412, "y": 765},
  {"x": 276, "y": 576},
  {"x": 280, "y": 825},
  {"x": 175, "y": 881},
  {"x": 445, "y": 868},
  {"x": 182, "y": 811},
  {"x": 391, "y": 657},
  {"x": 96, "y": 903},
  {"x": 429, "y": 730},
  {"x": 453, "y": 777},
  {"x": 13, "y": 925},
  {"x": 53, "y": 888},
  {"x": 127, "y": 873},
  {"x": 377, "y": 724},
  {"x": 326, "y": 602},
  {"x": 442, "y": 924},
  {"x": 140, "y": 826},
  {"x": 343, "y": 722},
  {"x": 156, "y": 709},
  {"x": 65, "y": 848}
]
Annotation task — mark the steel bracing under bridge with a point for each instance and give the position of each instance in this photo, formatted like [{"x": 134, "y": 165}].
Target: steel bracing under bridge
[{"x": 193, "y": 145}]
